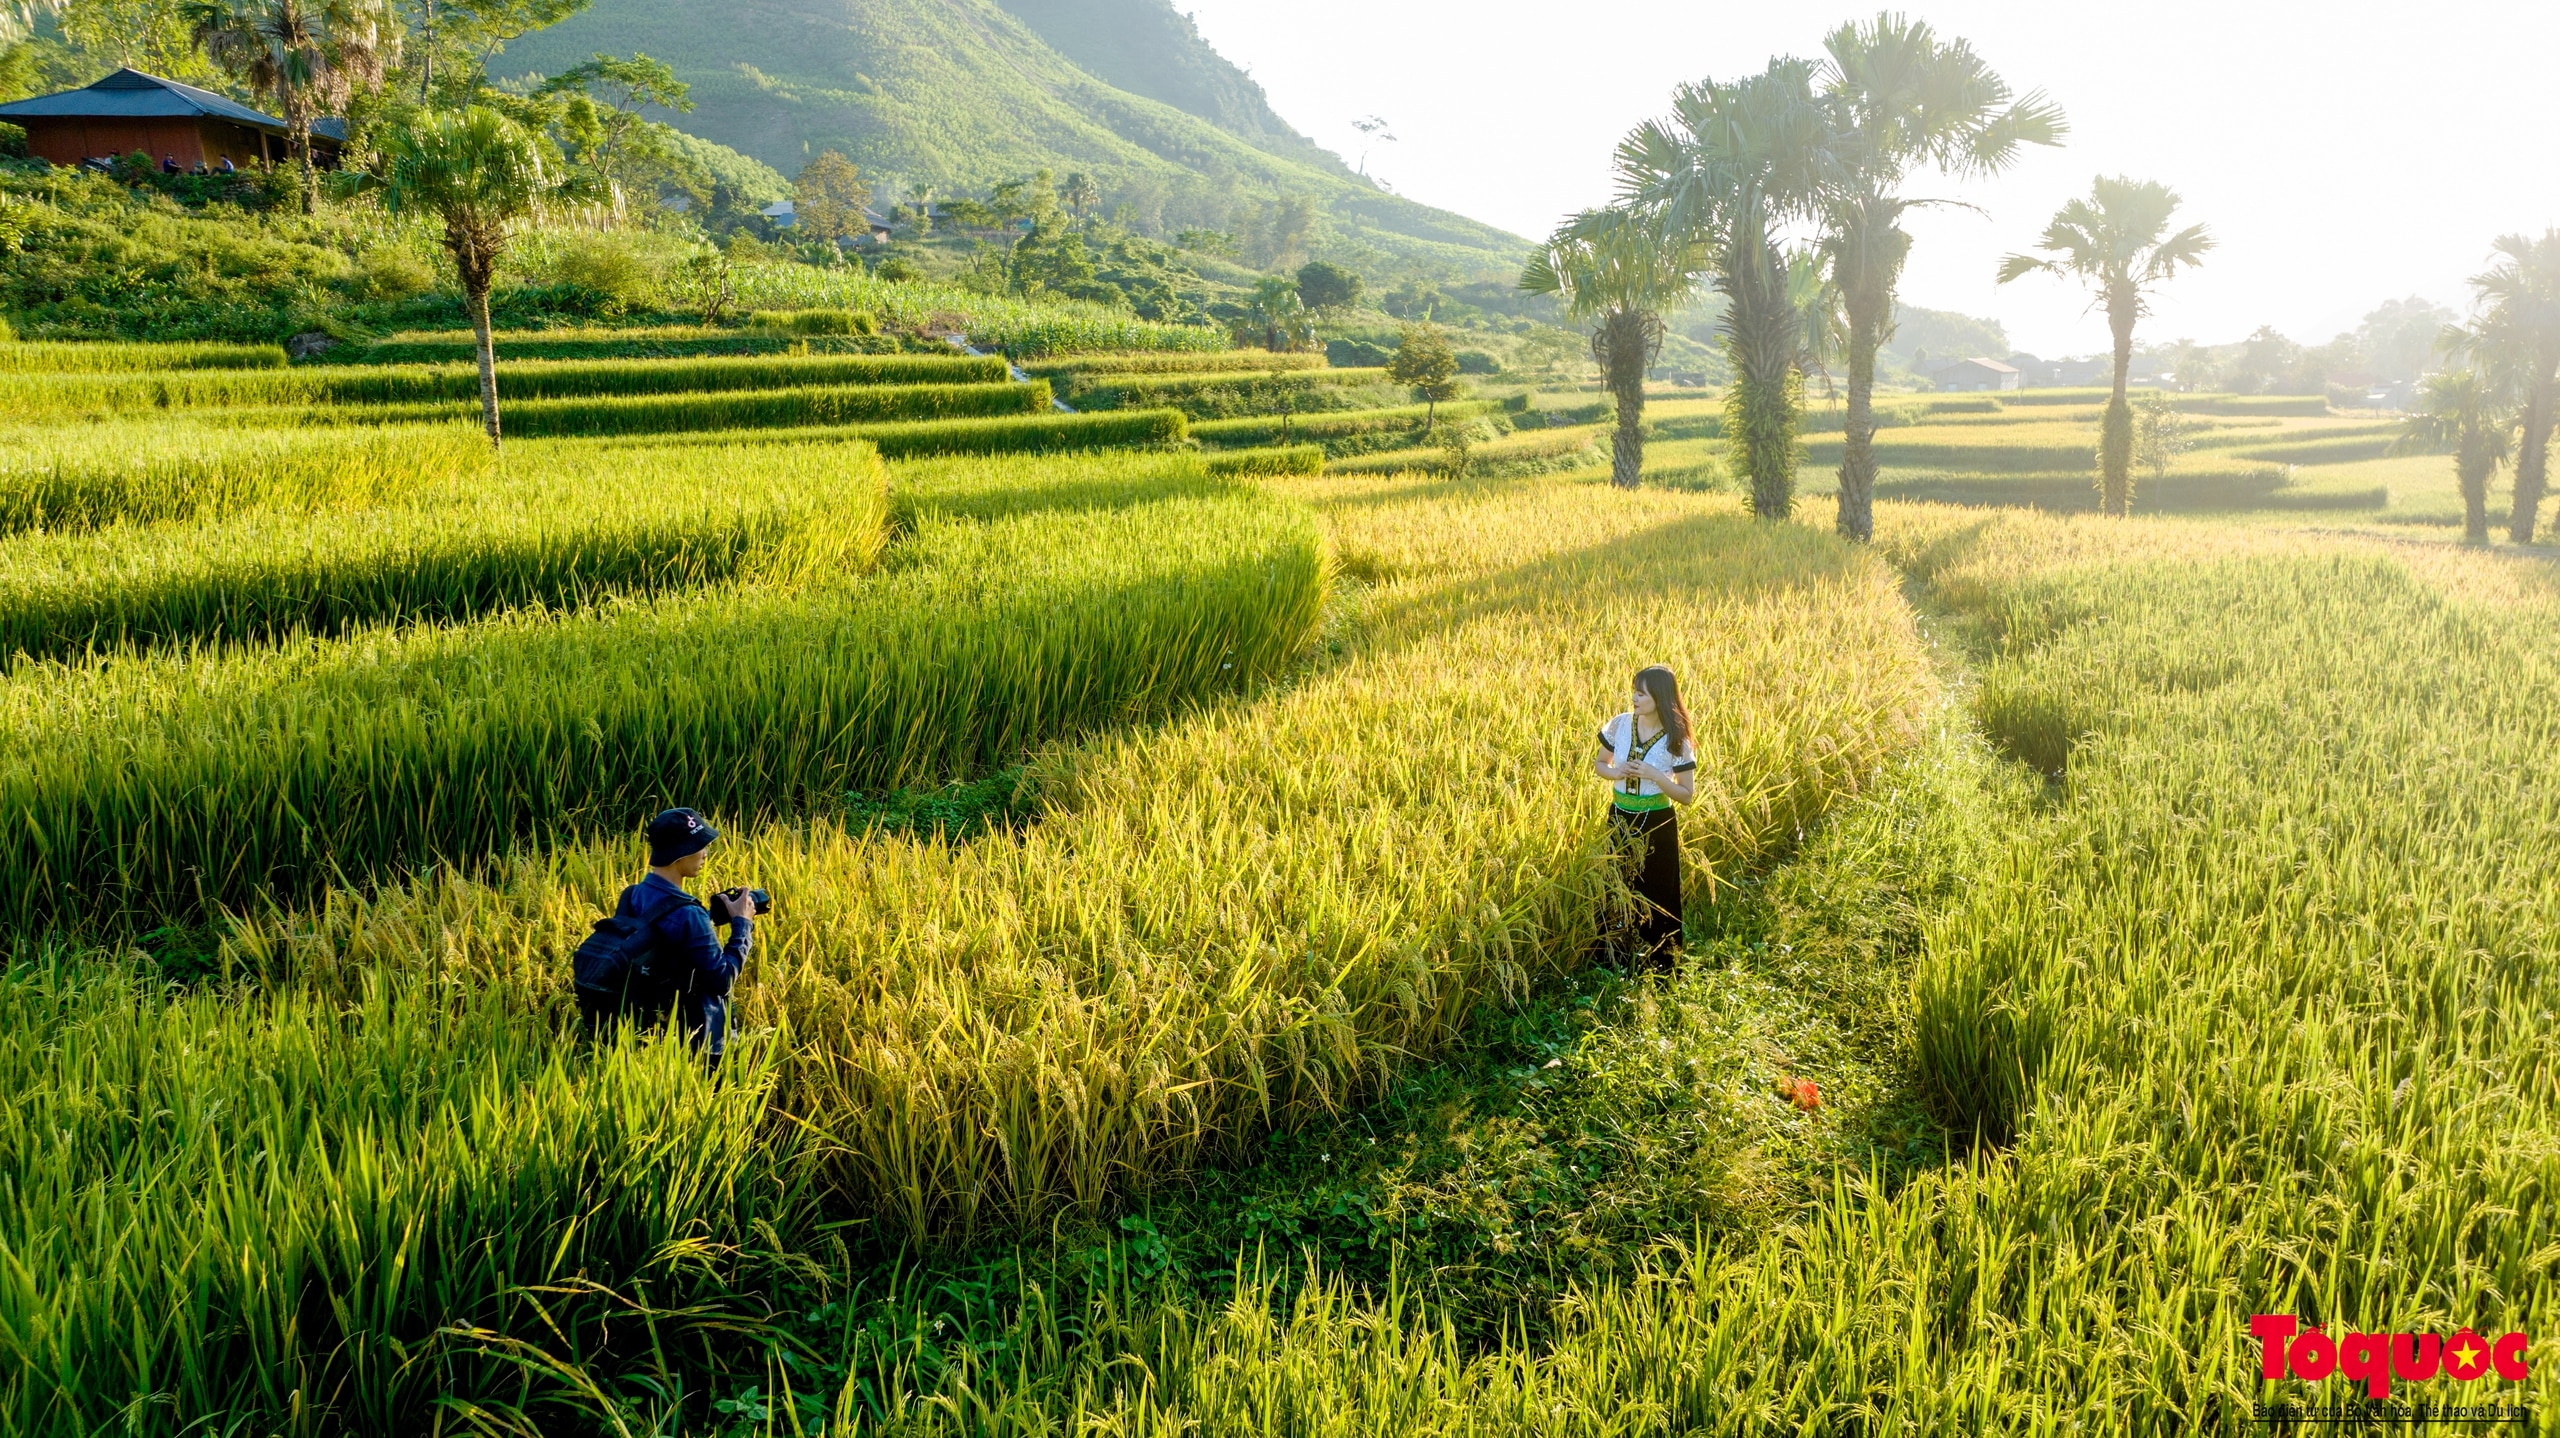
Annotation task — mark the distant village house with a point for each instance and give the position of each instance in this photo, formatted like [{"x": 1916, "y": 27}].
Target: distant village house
[
  {"x": 783, "y": 215},
  {"x": 1973, "y": 376},
  {"x": 130, "y": 112}
]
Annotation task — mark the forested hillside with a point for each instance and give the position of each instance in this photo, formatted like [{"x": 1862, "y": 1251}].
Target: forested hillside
[{"x": 942, "y": 94}]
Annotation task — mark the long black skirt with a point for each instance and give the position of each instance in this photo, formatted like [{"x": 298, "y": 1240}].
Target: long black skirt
[{"x": 1649, "y": 845}]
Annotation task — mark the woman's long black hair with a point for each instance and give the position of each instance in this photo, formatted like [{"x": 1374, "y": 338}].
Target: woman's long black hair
[{"x": 1659, "y": 682}]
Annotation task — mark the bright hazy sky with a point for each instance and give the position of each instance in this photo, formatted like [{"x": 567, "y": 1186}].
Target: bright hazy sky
[{"x": 2343, "y": 153}]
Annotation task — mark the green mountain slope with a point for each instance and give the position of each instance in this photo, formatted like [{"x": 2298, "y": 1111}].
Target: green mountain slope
[
  {"x": 1147, "y": 48},
  {"x": 959, "y": 94}
]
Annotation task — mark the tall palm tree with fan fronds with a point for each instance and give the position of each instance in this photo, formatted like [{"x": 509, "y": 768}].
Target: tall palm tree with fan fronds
[
  {"x": 305, "y": 57},
  {"x": 2467, "y": 411},
  {"x": 1735, "y": 163},
  {"x": 2516, "y": 334},
  {"x": 1901, "y": 100},
  {"x": 1618, "y": 272},
  {"x": 2118, "y": 243}
]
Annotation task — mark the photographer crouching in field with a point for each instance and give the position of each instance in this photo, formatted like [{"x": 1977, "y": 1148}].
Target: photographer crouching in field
[{"x": 656, "y": 953}]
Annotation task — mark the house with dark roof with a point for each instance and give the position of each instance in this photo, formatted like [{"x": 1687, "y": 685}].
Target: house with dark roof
[
  {"x": 129, "y": 111},
  {"x": 1974, "y": 375}
]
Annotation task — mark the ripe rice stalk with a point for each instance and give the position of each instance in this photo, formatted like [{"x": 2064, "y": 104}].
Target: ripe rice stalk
[
  {"x": 678, "y": 413},
  {"x": 56, "y": 396},
  {"x": 98, "y": 357},
  {"x": 1293, "y": 459},
  {"x": 1226, "y": 393},
  {"x": 73, "y": 478},
  {"x": 555, "y": 527},
  {"x": 171, "y": 785},
  {"x": 1268, "y": 907},
  {"x": 1145, "y": 362},
  {"x": 1020, "y": 434},
  {"x": 1023, "y": 329},
  {"x": 664, "y": 342}
]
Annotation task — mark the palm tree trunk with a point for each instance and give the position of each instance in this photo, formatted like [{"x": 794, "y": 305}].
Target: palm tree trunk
[
  {"x": 1857, "y": 518},
  {"x": 1764, "y": 340},
  {"x": 488, "y": 362},
  {"x": 1626, "y": 348},
  {"x": 310, "y": 175},
  {"x": 2473, "y": 475},
  {"x": 2115, "y": 434},
  {"x": 2532, "y": 464}
]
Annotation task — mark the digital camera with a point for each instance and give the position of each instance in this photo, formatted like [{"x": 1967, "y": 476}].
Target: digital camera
[{"x": 729, "y": 902}]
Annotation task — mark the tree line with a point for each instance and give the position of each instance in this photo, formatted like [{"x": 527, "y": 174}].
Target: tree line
[{"x": 1785, "y": 192}]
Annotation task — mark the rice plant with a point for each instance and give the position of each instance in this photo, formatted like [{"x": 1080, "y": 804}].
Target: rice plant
[
  {"x": 696, "y": 412},
  {"x": 99, "y": 357},
  {"x": 1018, "y": 434},
  {"x": 1230, "y": 393},
  {"x": 1291, "y": 459},
  {"x": 55, "y": 396},
  {"x": 1207, "y": 933},
  {"x": 556, "y": 527},
  {"x": 1024, "y": 329},
  {"x": 141, "y": 472},
  {"x": 1342, "y": 433},
  {"x": 168, "y": 785},
  {"x": 1147, "y": 362},
  {"x": 670, "y": 342}
]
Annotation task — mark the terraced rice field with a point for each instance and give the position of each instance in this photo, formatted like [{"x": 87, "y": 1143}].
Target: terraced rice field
[{"x": 1184, "y": 1007}]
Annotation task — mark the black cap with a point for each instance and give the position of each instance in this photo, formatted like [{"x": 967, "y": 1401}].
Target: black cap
[{"x": 676, "y": 833}]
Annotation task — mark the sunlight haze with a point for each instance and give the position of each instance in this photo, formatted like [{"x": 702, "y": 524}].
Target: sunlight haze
[{"x": 2343, "y": 154}]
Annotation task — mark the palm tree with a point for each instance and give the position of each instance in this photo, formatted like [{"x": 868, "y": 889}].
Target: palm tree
[
  {"x": 1080, "y": 193},
  {"x": 1901, "y": 99},
  {"x": 2117, "y": 242},
  {"x": 1619, "y": 272},
  {"x": 2467, "y": 412},
  {"x": 1733, "y": 165},
  {"x": 478, "y": 172},
  {"x": 306, "y": 57},
  {"x": 2517, "y": 335},
  {"x": 1277, "y": 311}
]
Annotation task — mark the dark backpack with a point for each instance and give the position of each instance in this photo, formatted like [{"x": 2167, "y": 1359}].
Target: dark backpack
[{"x": 619, "y": 955}]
